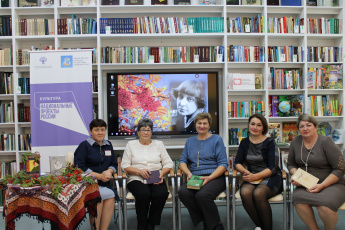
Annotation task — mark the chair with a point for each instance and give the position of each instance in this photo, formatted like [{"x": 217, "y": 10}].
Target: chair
[
  {"x": 127, "y": 195},
  {"x": 223, "y": 194},
  {"x": 278, "y": 199},
  {"x": 114, "y": 181}
]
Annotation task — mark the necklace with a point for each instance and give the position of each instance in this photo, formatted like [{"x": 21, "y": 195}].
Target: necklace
[
  {"x": 199, "y": 149},
  {"x": 306, "y": 162}
]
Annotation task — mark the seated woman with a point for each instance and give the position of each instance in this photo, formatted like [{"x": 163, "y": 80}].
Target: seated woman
[
  {"x": 96, "y": 156},
  {"x": 190, "y": 99},
  {"x": 206, "y": 156},
  {"x": 140, "y": 157},
  {"x": 319, "y": 156},
  {"x": 262, "y": 178}
]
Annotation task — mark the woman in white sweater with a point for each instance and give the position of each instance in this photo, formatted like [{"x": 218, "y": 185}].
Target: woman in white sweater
[{"x": 139, "y": 159}]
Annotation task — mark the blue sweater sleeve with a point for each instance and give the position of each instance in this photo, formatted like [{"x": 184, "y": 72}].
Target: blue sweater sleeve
[
  {"x": 80, "y": 155},
  {"x": 184, "y": 157},
  {"x": 222, "y": 159}
]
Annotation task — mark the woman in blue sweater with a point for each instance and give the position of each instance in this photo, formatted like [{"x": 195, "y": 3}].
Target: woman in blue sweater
[
  {"x": 206, "y": 156},
  {"x": 96, "y": 156}
]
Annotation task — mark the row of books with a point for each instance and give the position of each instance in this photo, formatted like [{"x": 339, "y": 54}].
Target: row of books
[
  {"x": 5, "y": 56},
  {"x": 162, "y": 54},
  {"x": 285, "y": 78},
  {"x": 9, "y": 167},
  {"x": 23, "y": 113},
  {"x": 325, "y": 54},
  {"x": 23, "y": 55},
  {"x": 285, "y": 105},
  {"x": 7, "y": 142},
  {"x": 236, "y": 135},
  {"x": 24, "y": 85},
  {"x": 76, "y": 25},
  {"x": 6, "y": 112},
  {"x": 242, "y": 109},
  {"x": 6, "y": 83},
  {"x": 161, "y": 25},
  {"x": 285, "y": 25},
  {"x": 269, "y": 2},
  {"x": 285, "y": 53},
  {"x": 246, "y": 24},
  {"x": 323, "y": 106},
  {"x": 24, "y": 142},
  {"x": 5, "y": 25},
  {"x": 325, "y": 77},
  {"x": 34, "y": 26},
  {"x": 239, "y": 53},
  {"x": 324, "y": 25}
]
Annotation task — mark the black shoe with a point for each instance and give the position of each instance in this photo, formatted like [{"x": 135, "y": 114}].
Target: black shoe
[
  {"x": 219, "y": 227},
  {"x": 150, "y": 226}
]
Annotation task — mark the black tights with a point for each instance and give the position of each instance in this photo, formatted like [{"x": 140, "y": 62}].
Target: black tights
[{"x": 255, "y": 201}]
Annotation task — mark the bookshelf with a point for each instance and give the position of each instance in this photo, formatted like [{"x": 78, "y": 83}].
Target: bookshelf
[{"x": 223, "y": 38}]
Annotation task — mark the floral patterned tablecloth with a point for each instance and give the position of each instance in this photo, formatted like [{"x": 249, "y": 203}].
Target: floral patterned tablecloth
[{"x": 66, "y": 212}]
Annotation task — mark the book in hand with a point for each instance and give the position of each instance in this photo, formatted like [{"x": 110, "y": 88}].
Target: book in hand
[
  {"x": 304, "y": 178},
  {"x": 256, "y": 181},
  {"x": 195, "y": 182},
  {"x": 153, "y": 177}
]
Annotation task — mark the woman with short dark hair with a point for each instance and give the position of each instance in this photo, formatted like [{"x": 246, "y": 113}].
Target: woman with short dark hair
[
  {"x": 139, "y": 159},
  {"x": 190, "y": 99},
  {"x": 96, "y": 156}
]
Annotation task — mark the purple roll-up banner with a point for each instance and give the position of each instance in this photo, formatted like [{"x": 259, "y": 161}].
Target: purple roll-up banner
[{"x": 60, "y": 101}]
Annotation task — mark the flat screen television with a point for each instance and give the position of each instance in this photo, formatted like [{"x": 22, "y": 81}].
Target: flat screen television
[{"x": 170, "y": 100}]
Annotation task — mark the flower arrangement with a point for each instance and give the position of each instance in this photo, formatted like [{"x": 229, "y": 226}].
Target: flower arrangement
[{"x": 70, "y": 175}]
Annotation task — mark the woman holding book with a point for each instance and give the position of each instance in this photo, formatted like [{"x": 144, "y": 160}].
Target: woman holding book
[
  {"x": 262, "y": 179},
  {"x": 96, "y": 156},
  {"x": 141, "y": 159},
  {"x": 206, "y": 156},
  {"x": 319, "y": 156},
  {"x": 190, "y": 99}
]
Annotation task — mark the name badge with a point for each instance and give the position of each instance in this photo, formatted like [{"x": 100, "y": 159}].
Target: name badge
[{"x": 107, "y": 153}]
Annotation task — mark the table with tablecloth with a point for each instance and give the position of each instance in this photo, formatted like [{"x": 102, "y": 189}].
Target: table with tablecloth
[{"x": 66, "y": 211}]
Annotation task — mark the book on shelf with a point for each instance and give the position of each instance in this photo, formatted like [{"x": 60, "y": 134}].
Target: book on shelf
[
  {"x": 153, "y": 177},
  {"x": 27, "y": 3},
  {"x": 111, "y": 2},
  {"x": 338, "y": 136},
  {"x": 289, "y": 131},
  {"x": 333, "y": 76},
  {"x": 273, "y": 2},
  {"x": 324, "y": 128},
  {"x": 89, "y": 3},
  {"x": 134, "y": 2},
  {"x": 195, "y": 182},
  {"x": 57, "y": 163},
  {"x": 243, "y": 81},
  {"x": 274, "y": 105},
  {"x": 159, "y": 2},
  {"x": 297, "y": 105},
  {"x": 311, "y": 2},
  {"x": 291, "y": 2},
  {"x": 258, "y": 81},
  {"x": 274, "y": 132},
  {"x": 251, "y": 2},
  {"x": 70, "y": 3},
  {"x": 47, "y": 3},
  {"x": 232, "y": 2},
  {"x": 306, "y": 179},
  {"x": 181, "y": 2}
]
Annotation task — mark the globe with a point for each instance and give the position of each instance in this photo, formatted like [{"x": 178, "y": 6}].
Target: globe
[{"x": 284, "y": 106}]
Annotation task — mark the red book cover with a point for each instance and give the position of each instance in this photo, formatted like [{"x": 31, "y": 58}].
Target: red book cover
[{"x": 285, "y": 24}]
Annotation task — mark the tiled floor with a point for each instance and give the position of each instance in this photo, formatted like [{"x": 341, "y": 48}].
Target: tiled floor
[{"x": 242, "y": 221}]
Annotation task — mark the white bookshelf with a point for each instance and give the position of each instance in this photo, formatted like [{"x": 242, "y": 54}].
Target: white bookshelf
[{"x": 222, "y": 39}]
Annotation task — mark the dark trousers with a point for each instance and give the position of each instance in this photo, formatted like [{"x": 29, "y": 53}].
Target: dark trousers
[
  {"x": 200, "y": 203},
  {"x": 149, "y": 199}
]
